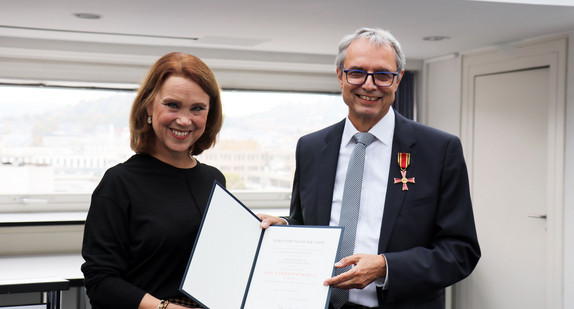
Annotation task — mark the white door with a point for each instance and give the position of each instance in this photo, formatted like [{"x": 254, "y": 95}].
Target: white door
[
  {"x": 512, "y": 129},
  {"x": 510, "y": 168}
]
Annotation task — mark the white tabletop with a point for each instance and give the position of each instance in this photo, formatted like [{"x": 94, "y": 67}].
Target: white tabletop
[{"x": 38, "y": 267}]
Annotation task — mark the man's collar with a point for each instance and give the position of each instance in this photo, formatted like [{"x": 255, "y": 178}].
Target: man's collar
[{"x": 382, "y": 130}]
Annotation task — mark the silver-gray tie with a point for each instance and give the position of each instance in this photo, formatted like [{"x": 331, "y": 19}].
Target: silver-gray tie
[{"x": 350, "y": 208}]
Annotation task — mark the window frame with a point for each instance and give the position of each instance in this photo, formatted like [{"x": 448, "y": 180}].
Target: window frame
[
  {"x": 273, "y": 202},
  {"x": 91, "y": 62}
]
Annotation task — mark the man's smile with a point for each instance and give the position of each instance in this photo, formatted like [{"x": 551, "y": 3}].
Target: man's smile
[{"x": 368, "y": 98}]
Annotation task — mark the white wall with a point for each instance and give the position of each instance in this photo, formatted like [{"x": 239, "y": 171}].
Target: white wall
[
  {"x": 569, "y": 182},
  {"x": 441, "y": 109},
  {"x": 441, "y": 101}
]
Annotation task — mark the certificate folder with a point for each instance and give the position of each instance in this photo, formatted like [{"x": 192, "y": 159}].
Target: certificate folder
[{"x": 237, "y": 264}]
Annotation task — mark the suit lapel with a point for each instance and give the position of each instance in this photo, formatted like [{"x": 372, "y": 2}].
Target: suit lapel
[
  {"x": 328, "y": 156},
  {"x": 403, "y": 141}
]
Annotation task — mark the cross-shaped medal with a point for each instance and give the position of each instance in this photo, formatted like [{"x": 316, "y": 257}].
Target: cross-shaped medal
[
  {"x": 404, "y": 160},
  {"x": 405, "y": 180}
]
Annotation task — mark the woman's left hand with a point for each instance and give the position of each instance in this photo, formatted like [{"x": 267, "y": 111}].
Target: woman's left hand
[{"x": 268, "y": 220}]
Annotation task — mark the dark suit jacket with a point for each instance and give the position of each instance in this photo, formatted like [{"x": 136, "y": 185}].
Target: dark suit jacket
[{"x": 428, "y": 235}]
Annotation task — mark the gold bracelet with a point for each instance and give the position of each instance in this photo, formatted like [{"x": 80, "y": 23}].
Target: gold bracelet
[{"x": 163, "y": 304}]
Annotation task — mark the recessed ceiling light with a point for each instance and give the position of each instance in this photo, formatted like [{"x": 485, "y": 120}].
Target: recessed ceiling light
[
  {"x": 87, "y": 15},
  {"x": 435, "y": 38}
]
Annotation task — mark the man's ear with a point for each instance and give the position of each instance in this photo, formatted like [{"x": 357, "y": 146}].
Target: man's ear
[
  {"x": 340, "y": 77},
  {"x": 400, "y": 77}
]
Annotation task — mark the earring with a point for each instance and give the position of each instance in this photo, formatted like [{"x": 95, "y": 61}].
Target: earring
[{"x": 149, "y": 119}]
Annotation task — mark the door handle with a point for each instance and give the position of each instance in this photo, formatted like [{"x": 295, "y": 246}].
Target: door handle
[{"x": 537, "y": 216}]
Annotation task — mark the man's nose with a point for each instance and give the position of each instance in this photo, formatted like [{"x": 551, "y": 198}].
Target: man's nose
[{"x": 370, "y": 83}]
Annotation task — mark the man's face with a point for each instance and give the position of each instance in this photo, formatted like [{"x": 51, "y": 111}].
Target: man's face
[{"x": 368, "y": 103}]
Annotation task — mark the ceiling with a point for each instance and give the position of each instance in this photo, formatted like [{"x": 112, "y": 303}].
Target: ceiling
[{"x": 293, "y": 27}]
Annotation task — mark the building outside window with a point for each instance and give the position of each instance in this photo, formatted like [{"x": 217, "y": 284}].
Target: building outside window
[{"x": 60, "y": 140}]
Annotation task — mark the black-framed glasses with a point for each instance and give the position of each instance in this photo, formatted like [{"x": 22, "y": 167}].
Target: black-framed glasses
[{"x": 359, "y": 77}]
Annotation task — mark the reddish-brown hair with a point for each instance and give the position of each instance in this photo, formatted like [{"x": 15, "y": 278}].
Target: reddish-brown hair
[{"x": 142, "y": 136}]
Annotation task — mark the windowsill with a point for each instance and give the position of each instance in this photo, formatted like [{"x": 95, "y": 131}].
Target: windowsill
[{"x": 42, "y": 218}]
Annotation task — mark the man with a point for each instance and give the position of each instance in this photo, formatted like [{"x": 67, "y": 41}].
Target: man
[{"x": 415, "y": 233}]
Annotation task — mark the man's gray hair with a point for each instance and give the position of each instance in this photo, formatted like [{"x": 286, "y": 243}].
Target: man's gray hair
[{"x": 376, "y": 36}]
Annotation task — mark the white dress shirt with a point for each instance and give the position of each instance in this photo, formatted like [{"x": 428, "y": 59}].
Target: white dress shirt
[{"x": 373, "y": 193}]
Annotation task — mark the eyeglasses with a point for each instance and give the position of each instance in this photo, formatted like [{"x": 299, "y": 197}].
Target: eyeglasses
[{"x": 359, "y": 77}]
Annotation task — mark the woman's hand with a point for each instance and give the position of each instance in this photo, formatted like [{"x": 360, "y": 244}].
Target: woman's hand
[
  {"x": 150, "y": 302},
  {"x": 174, "y": 306}
]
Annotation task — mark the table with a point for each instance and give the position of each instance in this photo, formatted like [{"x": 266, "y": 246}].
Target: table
[{"x": 46, "y": 273}]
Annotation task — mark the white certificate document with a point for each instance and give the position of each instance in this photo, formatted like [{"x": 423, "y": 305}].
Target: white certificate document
[
  {"x": 292, "y": 264},
  {"x": 236, "y": 264}
]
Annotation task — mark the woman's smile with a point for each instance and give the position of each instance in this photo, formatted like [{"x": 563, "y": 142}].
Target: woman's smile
[{"x": 180, "y": 134}]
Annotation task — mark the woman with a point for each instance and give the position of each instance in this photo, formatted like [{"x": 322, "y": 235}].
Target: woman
[{"x": 145, "y": 213}]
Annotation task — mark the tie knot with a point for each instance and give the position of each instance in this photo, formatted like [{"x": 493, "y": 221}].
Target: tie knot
[{"x": 364, "y": 138}]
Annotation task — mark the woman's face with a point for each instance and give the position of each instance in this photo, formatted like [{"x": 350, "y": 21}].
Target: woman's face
[{"x": 179, "y": 114}]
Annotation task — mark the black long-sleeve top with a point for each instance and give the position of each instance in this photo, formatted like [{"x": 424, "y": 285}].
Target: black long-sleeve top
[{"x": 143, "y": 221}]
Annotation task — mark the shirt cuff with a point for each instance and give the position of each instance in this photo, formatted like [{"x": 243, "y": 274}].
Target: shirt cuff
[{"x": 383, "y": 282}]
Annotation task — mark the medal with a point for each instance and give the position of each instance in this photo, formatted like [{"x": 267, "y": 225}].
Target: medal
[{"x": 404, "y": 161}]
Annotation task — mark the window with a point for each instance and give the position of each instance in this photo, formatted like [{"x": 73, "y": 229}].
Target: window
[{"x": 62, "y": 139}]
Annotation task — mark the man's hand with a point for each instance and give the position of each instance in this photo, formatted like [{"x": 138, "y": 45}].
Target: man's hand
[
  {"x": 368, "y": 268},
  {"x": 268, "y": 220}
]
